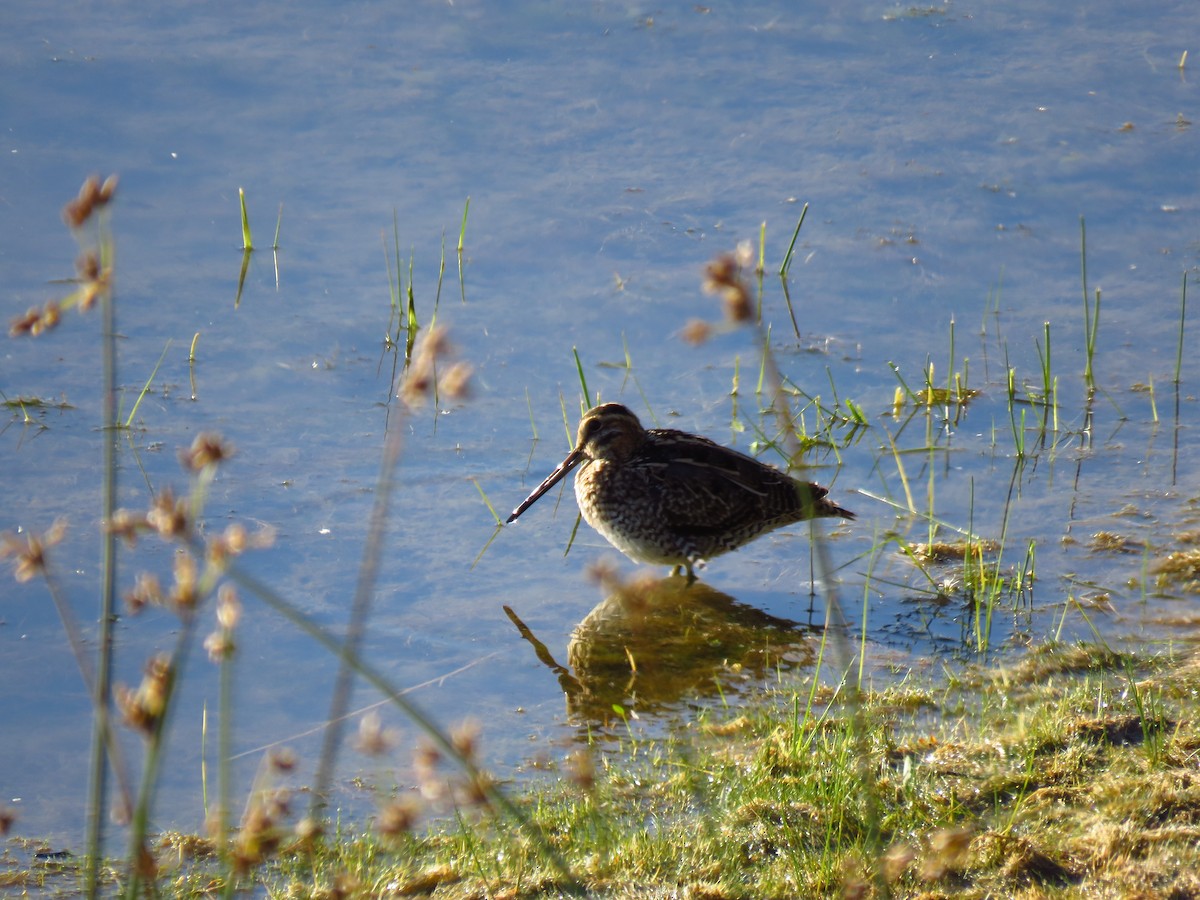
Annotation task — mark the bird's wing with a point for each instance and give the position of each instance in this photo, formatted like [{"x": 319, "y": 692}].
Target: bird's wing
[{"x": 704, "y": 487}]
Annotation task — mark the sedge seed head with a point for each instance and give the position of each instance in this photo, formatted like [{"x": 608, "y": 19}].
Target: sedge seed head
[
  {"x": 720, "y": 273},
  {"x": 465, "y": 737},
  {"x": 736, "y": 301},
  {"x": 23, "y": 324},
  {"x": 87, "y": 266},
  {"x": 208, "y": 449},
  {"x": 373, "y": 738},
  {"x": 185, "y": 593},
  {"x": 79, "y": 210},
  {"x": 219, "y": 646},
  {"x": 143, "y": 708},
  {"x": 108, "y": 190},
  {"x": 50, "y": 317},
  {"x": 126, "y": 525},
  {"x": 229, "y": 607},
  {"x": 581, "y": 769},
  {"x": 398, "y": 817},
  {"x": 146, "y": 592},
  {"x": 283, "y": 759},
  {"x": 456, "y": 381},
  {"x": 696, "y": 332},
  {"x": 168, "y": 516},
  {"x": 307, "y": 831},
  {"x": 29, "y": 555}
]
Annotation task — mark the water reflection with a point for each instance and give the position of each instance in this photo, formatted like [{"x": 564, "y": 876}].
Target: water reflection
[{"x": 653, "y": 643}]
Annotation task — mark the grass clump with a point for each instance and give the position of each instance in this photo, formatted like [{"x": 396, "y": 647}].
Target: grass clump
[{"x": 1070, "y": 774}]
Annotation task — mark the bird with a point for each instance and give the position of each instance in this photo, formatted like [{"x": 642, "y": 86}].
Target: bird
[{"x": 669, "y": 497}]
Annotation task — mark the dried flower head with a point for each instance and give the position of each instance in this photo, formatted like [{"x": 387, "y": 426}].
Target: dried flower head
[
  {"x": 146, "y": 592},
  {"x": 456, "y": 382},
  {"x": 219, "y": 548},
  {"x": 79, "y": 210},
  {"x": 142, "y": 709},
  {"x": 279, "y": 802},
  {"x": 398, "y": 817},
  {"x": 283, "y": 759},
  {"x": 421, "y": 375},
  {"x": 307, "y": 831},
  {"x": 373, "y": 738},
  {"x": 426, "y": 759},
  {"x": 723, "y": 276},
  {"x": 30, "y": 554},
  {"x": 219, "y": 646},
  {"x": 604, "y": 573},
  {"x": 465, "y": 737},
  {"x": 208, "y": 449},
  {"x": 949, "y": 851},
  {"x": 50, "y": 317},
  {"x": 264, "y": 537},
  {"x": 720, "y": 273},
  {"x": 36, "y": 321},
  {"x": 896, "y": 861},
  {"x": 478, "y": 789},
  {"x": 258, "y": 837},
  {"x": 736, "y": 301},
  {"x": 87, "y": 266},
  {"x": 581, "y": 769},
  {"x": 168, "y": 516},
  {"x": 89, "y": 294},
  {"x": 185, "y": 594},
  {"x": 696, "y": 332},
  {"x": 126, "y": 525},
  {"x": 24, "y": 324},
  {"x": 108, "y": 190},
  {"x": 234, "y": 539},
  {"x": 229, "y": 607}
]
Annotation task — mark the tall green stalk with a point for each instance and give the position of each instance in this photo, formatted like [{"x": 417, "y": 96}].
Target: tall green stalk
[
  {"x": 224, "y": 766},
  {"x": 368, "y": 573},
  {"x": 102, "y": 708},
  {"x": 1182, "y": 321},
  {"x": 1091, "y": 316},
  {"x": 139, "y": 829}
]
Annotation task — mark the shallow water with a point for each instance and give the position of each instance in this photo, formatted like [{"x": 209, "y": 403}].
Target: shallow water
[{"x": 946, "y": 156}]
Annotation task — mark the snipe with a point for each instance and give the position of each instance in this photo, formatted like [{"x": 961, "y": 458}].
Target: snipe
[{"x": 673, "y": 498}]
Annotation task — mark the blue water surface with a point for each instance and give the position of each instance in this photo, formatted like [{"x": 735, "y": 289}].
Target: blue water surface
[{"x": 946, "y": 154}]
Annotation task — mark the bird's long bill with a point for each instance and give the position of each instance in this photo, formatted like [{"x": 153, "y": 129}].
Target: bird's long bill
[{"x": 552, "y": 479}]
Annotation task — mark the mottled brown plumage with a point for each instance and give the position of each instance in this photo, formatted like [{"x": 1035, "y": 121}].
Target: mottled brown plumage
[{"x": 665, "y": 496}]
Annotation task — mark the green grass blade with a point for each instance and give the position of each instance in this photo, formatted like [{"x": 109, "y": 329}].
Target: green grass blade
[
  {"x": 487, "y": 502},
  {"x": 462, "y": 234},
  {"x": 787, "y": 257},
  {"x": 247, "y": 240},
  {"x": 587, "y": 396},
  {"x": 146, "y": 386}
]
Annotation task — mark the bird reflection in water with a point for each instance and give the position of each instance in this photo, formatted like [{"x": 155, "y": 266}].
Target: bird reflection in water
[{"x": 656, "y": 642}]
